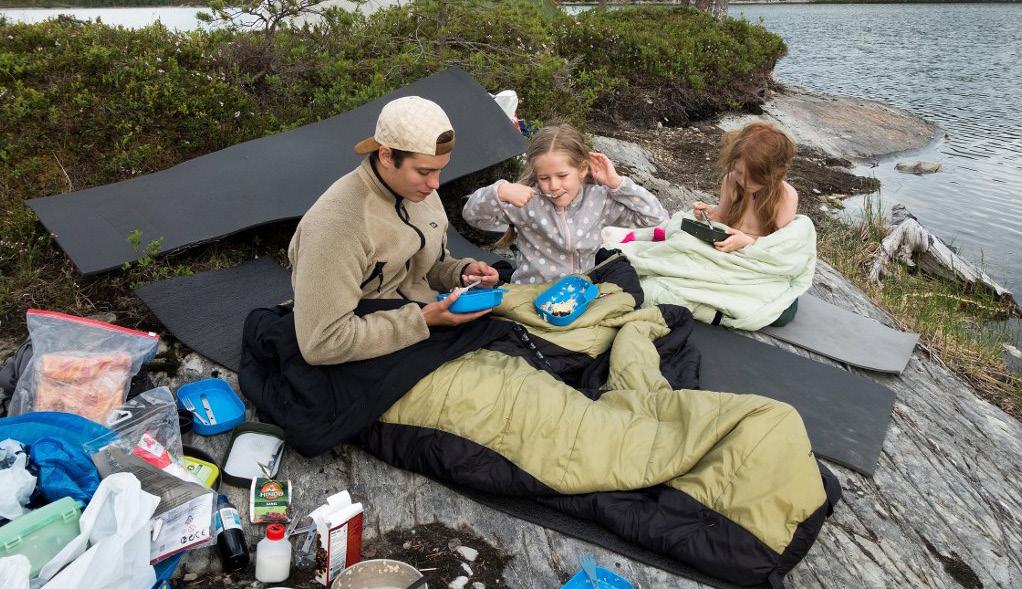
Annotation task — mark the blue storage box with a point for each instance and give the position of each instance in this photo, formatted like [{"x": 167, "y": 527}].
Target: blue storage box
[
  {"x": 227, "y": 408},
  {"x": 572, "y": 293},
  {"x": 475, "y": 299},
  {"x": 604, "y": 579}
]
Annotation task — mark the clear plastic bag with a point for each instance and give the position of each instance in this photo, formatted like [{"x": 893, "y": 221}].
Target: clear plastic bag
[
  {"x": 147, "y": 426},
  {"x": 79, "y": 365}
]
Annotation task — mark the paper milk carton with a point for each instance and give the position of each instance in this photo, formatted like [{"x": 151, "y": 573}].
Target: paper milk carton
[{"x": 339, "y": 536}]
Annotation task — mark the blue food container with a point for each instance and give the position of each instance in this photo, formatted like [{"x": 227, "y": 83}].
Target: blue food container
[
  {"x": 568, "y": 289},
  {"x": 227, "y": 408},
  {"x": 604, "y": 579},
  {"x": 475, "y": 299}
]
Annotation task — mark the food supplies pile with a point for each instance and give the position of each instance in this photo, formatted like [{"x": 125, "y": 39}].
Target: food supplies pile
[{"x": 97, "y": 488}]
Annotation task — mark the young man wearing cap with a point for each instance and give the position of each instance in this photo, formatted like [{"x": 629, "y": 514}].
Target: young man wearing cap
[{"x": 379, "y": 232}]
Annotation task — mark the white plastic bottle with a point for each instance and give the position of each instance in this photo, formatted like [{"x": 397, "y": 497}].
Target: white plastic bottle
[{"x": 273, "y": 556}]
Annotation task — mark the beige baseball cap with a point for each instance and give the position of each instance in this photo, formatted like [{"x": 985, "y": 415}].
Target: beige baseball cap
[{"x": 410, "y": 124}]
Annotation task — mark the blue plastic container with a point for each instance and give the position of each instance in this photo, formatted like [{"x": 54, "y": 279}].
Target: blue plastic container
[
  {"x": 570, "y": 287},
  {"x": 604, "y": 579},
  {"x": 475, "y": 299},
  {"x": 227, "y": 408}
]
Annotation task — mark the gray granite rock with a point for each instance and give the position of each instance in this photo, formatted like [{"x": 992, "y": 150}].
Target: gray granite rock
[
  {"x": 841, "y": 126},
  {"x": 918, "y": 168}
]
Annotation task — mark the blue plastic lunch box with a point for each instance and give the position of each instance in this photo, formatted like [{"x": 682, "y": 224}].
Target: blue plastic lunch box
[
  {"x": 228, "y": 410},
  {"x": 475, "y": 299},
  {"x": 604, "y": 578},
  {"x": 570, "y": 287}
]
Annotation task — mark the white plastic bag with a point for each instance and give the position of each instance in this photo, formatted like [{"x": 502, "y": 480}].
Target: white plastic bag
[
  {"x": 16, "y": 484},
  {"x": 507, "y": 100},
  {"x": 112, "y": 551},
  {"x": 14, "y": 571},
  {"x": 79, "y": 365}
]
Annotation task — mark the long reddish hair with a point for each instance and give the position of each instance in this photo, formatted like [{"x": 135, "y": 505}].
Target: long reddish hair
[{"x": 767, "y": 153}]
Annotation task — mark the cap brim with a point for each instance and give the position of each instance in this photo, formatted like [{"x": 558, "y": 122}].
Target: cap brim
[
  {"x": 442, "y": 148},
  {"x": 367, "y": 145}
]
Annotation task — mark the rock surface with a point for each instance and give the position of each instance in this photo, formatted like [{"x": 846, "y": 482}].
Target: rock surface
[
  {"x": 842, "y": 126},
  {"x": 634, "y": 161},
  {"x": 942, "y": 510},
  {"x": 913, "y": 167}
]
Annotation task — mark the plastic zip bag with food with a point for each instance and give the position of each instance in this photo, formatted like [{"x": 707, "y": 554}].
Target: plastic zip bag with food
[{"x": 79, "y": 365}]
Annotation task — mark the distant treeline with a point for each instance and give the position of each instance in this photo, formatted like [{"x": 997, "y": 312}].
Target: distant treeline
[
  {"x": 866, "y": 2},
  {"x": 95, "y": 3}
]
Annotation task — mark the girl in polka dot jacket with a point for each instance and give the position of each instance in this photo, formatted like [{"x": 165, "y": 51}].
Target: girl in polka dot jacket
[{"x": 555, "y": 213}]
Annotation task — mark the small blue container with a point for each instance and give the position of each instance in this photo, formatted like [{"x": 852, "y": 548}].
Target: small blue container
[
  {"x": 227, "y": 408},
  {"x": 604, "y": 579},
  {"x": 475, "y": 299},
  {"x": 570, "y": 287}
]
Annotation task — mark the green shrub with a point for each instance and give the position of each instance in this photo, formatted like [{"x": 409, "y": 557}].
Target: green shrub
[
  {"x": 673, "y": 63},
  {"x": 85, "y": 104}
]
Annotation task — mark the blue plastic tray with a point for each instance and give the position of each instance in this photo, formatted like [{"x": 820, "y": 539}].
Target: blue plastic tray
[
  {"x": 227, "y": 408},
  {"x": 605, "y": 580},
  {"x": 569, "y": 287},
  {"x": 475, "y": 299}
]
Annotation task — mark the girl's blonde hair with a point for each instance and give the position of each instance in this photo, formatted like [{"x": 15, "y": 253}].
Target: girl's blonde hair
[
  {"x": 562, "y": 138},
  {"x": 767, "y": 153}
]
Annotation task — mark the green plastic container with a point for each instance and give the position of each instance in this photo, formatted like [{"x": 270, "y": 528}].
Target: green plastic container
[{"x": 41, "y": 534}]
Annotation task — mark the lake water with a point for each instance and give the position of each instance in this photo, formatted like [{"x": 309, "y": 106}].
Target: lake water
[
  {"x": 180, "y": 18},
  {"x": 958, "y": 65}
]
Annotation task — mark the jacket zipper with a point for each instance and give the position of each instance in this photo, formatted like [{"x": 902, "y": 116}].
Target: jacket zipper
[
  {"x": 402, "y": 214},
  {"x": 567, "y": 239},
  {"x": 377, "y": 272}
]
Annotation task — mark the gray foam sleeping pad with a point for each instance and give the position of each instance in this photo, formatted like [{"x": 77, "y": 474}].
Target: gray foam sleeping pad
[
  {"x": 262, "y": 181},
  {"x": 847, "y": 337}
]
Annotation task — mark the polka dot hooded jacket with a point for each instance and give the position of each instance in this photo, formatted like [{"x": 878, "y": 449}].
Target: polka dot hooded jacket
[{"x": 553, "y": 242}]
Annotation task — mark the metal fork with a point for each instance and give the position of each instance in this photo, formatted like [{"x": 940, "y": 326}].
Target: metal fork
[
  {"x": 588, "y": 562},
  {"x": 190, "y": 406}
]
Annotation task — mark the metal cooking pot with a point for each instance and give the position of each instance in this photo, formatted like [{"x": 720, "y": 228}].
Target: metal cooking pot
[{"x": 381, "y": 573}]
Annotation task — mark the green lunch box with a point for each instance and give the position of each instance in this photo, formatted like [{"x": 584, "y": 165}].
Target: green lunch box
[{"x": 41, "y": 534}]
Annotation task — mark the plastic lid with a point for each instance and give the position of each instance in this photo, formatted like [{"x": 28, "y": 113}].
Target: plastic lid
[{"x": 275, "y": 532}]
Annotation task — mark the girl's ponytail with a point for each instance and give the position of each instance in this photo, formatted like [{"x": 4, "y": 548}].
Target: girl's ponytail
[{"x": 508, "y": 238}]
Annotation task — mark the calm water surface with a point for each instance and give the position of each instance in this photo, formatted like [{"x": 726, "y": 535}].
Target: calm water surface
[
  {"x": 181, "y": 18},
  {"x": 959, "y": 65}
]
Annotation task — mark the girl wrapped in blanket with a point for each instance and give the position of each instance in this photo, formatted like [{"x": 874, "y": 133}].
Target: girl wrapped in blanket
[
  {"x": 579, "y": 193},
  {"x": 755, "y": 200},
  {"x": 755, "y": 203}
]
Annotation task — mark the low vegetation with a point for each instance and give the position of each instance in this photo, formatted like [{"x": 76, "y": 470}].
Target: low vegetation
[
  {"x": 85, "y": 104},
  {"x": 964, "y": 328}
]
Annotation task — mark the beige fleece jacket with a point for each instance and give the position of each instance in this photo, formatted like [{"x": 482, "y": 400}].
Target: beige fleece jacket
[{"x": 361, "y": 241}]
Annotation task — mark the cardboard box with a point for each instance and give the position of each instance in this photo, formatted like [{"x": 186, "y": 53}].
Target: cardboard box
[{"x": 339, "y": 536}]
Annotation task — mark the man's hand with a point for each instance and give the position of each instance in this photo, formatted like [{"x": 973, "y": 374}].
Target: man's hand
[
  {"x": 736, "y": 241},
  {"x": 438, "y": 313},
  {"x": 482, "y": 272},
  {"x": 517, "y": 195}
]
